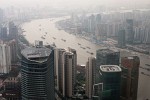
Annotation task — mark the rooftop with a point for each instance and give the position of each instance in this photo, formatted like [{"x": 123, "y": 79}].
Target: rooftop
[
  {"x": 33, "y": 52},
  {"x": 106, "y": 51},
  {"x": 69, "y": 53},
  {"x": 130, "y": 57},
  {"x": 110, "y": 68}
]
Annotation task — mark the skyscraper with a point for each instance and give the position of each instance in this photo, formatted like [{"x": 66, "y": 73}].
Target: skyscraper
[
  {"x": 121, "y": 39},
  {"x": 3, "y": 33},
  {"x": 58, "y": 68},
  {"x": 98, "y": 18},
  {"x": 1, "y": 16},
  {"x": 129, "y": 31},
  {"x": 5, "y": 59},
  {"x": 74, "y": 63},
  {"x": 37, "y": 71},
  {"x": 111, "y": 78},
  {"x": 91, "y": 24},
  {"x": 101, "y": 32},
  {"x": 68, "y": 74},
  {"x": 129, "y": 77},
  {"x": 13, "y": 50},
  {"x": 13, "y": 31},
  {"x": 90, "y": 75},
  {"x": 107, "y": 57}
]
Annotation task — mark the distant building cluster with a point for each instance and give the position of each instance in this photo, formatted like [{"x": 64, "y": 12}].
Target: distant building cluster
[
  {"x": 127, "y": 27},
  {"x": 9, "y": 65},
  {"x": 1, "y": 16},
  {"x": 8, "y": 47}
]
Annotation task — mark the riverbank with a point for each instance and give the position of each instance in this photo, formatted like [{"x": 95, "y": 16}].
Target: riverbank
[{"x": 71, "y": 28}]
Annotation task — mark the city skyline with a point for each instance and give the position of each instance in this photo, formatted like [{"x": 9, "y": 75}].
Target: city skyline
[
  {"x": 73, "y": 3},
  {"x": 58, "y": 54}
]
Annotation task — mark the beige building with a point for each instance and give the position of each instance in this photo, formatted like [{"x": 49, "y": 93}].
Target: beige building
[
  {"x": 58, "y": 65},
  {"x": 90, "y": 75},
  {"x": 68, "y": 74},
  {"x": 64, "y": 70}
]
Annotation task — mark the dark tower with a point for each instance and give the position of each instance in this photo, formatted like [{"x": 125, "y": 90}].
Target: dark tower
[{"x": 37, "y": 71}]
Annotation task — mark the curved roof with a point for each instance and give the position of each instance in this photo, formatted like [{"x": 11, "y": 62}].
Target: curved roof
[{"x": 34, "y": 53}]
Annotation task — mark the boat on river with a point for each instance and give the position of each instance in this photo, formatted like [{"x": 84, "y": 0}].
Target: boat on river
[
  {"x": 42, "y": 37},
  {"x": 54, "y": 38},
  {"x": 83, "y": 47},
  {"x": 88, "y": 47},
  {"x": 63, "y": 40},
  {"x": 79, "y": 44}
]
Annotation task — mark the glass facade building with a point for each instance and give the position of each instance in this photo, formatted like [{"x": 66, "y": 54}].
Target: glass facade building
[
  {"x": 110, "y": 76},
  {"x": 37, "y": 71},
  {"x": 121, "y": 38},
  {"x": 105, "y": 57}
]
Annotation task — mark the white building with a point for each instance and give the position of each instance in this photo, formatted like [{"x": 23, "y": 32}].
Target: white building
[
  {"x": 5, "y": 58},
  {"x": 90, "y": 75}
]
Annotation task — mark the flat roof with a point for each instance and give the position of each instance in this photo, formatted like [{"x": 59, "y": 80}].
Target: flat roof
[
  {"x": 34, "y": 52},
  {"x": 68, "y": 53},
  {"x": 110, "y": 68},
  {"x": 130, "y": 57},
  {"x": 107, "y": 51}
]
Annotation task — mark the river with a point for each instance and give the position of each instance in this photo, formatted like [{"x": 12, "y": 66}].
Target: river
[{"x": 35, "y": 29}]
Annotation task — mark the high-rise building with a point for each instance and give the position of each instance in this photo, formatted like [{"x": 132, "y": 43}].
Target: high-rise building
[
  {"x": 58, "y": 71},
  {"x": 101, "y": 32},
  {"x": 1, "y": 16},
  {"x": 58, "y": 68},
  {"x": 91, "y": 24},
  {"x": 68, "y": 74},
  {"x": 97, "y": 28},
  {"x": 90, "y": 76},
  {"x": 110, "y": 76},
  {"x": 129, "y": 31},
  {"x": 37, "y": 71},
  {"x": 13, "y": 31},
  {"x": 129, "y": 77},
  {"x": 5, "y": 59},
  {"x": 74, "y": 63},
  {"x": 105, "y": 57},
  {"x": 13, "y": 51},
  {"x": 121, "y": 39},
  {"x": 138, "y": 34},
  {"x": 3, "y": 33},
  {"x": 146, "y": 35},
  {"x": 98, "y": 19}
]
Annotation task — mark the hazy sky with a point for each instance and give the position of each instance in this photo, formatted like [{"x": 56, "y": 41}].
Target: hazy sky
[{"x": 65, "y": 3}]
